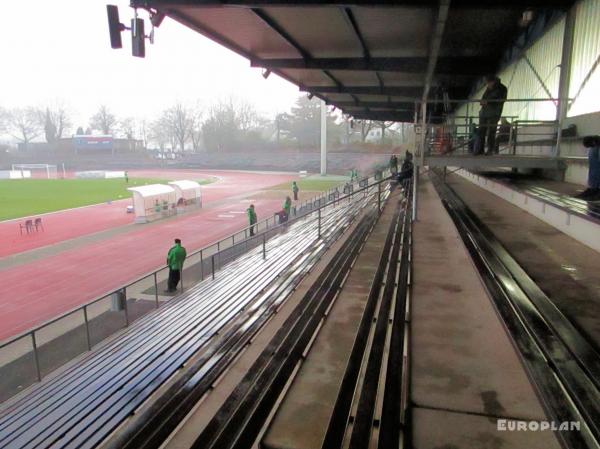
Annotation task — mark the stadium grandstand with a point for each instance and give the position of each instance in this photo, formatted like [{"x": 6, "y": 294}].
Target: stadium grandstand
[{"x": 444, "y": 295}]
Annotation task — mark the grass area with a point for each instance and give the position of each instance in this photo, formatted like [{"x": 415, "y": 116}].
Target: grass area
[
  {"x": 24, "y": 197},
  {"x": 205, "y": 181},
  {"x": 309, "y": 185}
]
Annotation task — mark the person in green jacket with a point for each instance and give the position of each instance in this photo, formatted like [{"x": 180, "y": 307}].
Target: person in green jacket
[
  {"x": 287, "y": 208},
  {"x": 175, "y": 258},
  {"x": 251, "y": 218},
  {"x": 295, "y": 189}
]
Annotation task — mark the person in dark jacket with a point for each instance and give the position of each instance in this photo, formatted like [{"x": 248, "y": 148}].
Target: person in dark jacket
[
  {"x": 295, "y": 190},
  {"x": 592, "y": 193},
  {"x": 406, "y": 170},
  {"x": 492, "y": 103},
  {"x": 394, "y": 164},
  {"x": 175, "y": 258}
]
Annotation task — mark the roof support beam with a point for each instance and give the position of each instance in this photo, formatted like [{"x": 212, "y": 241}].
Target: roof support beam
[
  {"x": 436, "y": 42},
  {"x": 383, "y": 116},
  {"x": 458, "y": 4},
  {"x": 445, "y": 65},
  {"x": 393, "y": 105},
  {"x": 413, "y": 92},
  {"x": 349, "y": 16},
  {"x": 272, "y": 23}
]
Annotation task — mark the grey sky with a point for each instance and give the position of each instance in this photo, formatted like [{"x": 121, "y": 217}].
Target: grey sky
[{"x": 59, "y": 50}]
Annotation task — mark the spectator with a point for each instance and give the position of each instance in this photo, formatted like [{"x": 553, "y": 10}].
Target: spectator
[
  {"x": 126, "y": 178},
  {"x": 295, "y": 189},
  {"x": 592, "y": 193},
  {"x": 287, "y": 208},
  {"x": 492, "y": 103},
  {"x": 393, "y": 164},
  {"x": 175, "y": 258},
  {"x": 251, "y": 218},
  {"x": 503, "y": 134},
  {"x": 406, "y": 171}
]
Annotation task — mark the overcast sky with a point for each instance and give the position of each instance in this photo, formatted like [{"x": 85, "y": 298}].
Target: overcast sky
[{"x": 59, "y": 50}]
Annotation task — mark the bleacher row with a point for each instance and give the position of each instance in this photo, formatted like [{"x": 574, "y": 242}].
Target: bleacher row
[{"x": 206, "y": 327}]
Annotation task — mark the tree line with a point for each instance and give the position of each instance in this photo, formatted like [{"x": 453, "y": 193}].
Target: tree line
[{"x": 227, "y": 125}]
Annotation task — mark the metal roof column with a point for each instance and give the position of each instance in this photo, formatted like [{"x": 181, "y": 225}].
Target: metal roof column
[
  {"x": 565, "y": 75},
  {"x": 323, "y": 138}
]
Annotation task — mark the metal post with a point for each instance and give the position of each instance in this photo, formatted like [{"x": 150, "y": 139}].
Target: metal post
[
  {"x": 212, "y": 260},
  {"x": 323, "y": 138},
  {"x": 319, "y": 223},
  {"x": 264, "y": 246},
  {"x": 87, "y": 328},
  {"x": 181, "y": 279},
  {"x": 126, "y": 308},
  {"x": 35, "y": 357},
  {"x": 414, "y": 191},
  {"x": 156, "y": 289},
  {"x": 379, "y": 197},
  {"x": 201, "y": 266},
  {"x": 565, "y": 75}
]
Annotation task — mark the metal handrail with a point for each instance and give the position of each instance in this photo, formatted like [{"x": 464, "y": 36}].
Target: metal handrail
[{"x": 31, "y": 332}]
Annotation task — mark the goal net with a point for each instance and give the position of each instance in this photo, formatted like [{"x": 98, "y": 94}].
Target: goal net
[{"x": 36, "y": 171}]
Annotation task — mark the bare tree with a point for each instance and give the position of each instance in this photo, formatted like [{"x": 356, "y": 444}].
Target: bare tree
[
  {"x": 127, "y": 127},
  {"x": 55, "y": 120},
  {"x": 143, "y": 132},
  {"x": 23, "y": 124},
  {"x": 3, "y": 120},
  {"x": 159, "y": 134},
  {"x": 246, "y": 115},
  {"x": 103, "y": 121},
  {"x": 365, "y": 128},
  {"x": 196, "y": 130},
  {"x": 179, "y": 121},
  {"x": 383, "y": 126}
]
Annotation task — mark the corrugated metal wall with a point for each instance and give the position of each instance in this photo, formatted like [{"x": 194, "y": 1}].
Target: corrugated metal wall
[
  {"x": 541, "y": 62},
  {"x": 585, "y": 74},
  {"x": 536, "y": 75}
]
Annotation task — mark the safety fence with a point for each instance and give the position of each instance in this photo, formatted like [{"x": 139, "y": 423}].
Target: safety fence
[{"x": 32, "y": 355}]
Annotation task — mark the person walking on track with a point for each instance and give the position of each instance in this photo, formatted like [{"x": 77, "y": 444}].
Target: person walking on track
[
  {"x": 251, "y": 218},
  {"x": 295, "y": 189},
  {"x": 175, "y": 258}
]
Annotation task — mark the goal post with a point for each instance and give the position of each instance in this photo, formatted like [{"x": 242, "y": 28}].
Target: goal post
[{"x": 43, "y": 171}]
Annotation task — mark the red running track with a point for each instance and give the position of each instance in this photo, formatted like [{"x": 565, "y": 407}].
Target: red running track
[
  {"x": 41, "y": 290},
  {"x": 69, "y": 224}
]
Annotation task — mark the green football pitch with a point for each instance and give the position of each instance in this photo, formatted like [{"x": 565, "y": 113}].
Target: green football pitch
[{"x": 24, "y": 197}]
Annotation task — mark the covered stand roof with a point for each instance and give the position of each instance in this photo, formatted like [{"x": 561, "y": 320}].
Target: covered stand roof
[
  {"x": 189, "y": 189},
  {"x": 152, "y": 190},
  {"x": 371, "y": 59}
]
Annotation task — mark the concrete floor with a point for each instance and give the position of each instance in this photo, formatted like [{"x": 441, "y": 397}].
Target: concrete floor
[
  {"x": 465, "y": 373},
  {"x": 566, "y": 270}
]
